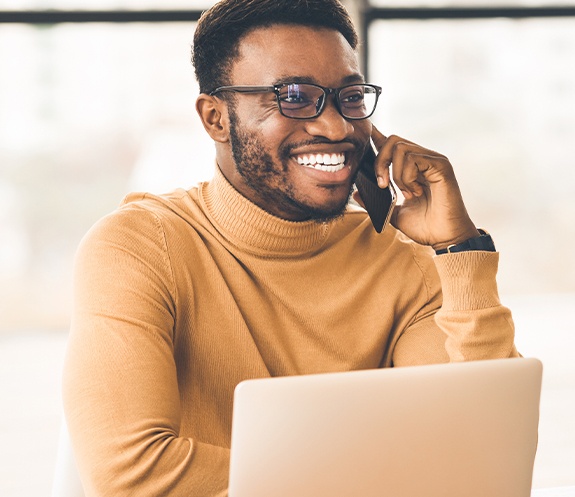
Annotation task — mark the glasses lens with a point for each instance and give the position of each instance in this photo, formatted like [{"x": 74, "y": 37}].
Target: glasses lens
[
  {"x": 301, "y": 101},
  {"x": 357, "y": 101}
]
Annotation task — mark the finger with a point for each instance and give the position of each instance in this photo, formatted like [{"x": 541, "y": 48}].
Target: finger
[
  {"x": 413, "y": 173},
  {"x": 403, "y": 173},
  {"x": 378, "y": 138},
  {"x": 411, "y": 166},
  {"x": 395, "y": 151},
  {"x": 392, "y": 153},
  {"x": 381, "y": 165},
  {"x": 391, "y": 143},
  {"x": 382, "y": 173}
]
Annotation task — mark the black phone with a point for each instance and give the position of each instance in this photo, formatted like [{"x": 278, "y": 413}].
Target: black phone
[{"x": 379, "y": 202}]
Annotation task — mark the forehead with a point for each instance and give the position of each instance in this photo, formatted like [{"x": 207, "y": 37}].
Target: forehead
[{"x": 273, "y": 54}]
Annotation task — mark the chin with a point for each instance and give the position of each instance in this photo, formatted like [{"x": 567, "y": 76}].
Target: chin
[{"x": 324, "y": 213}]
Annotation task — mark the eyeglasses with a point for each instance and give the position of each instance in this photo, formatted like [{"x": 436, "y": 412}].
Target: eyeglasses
[{"x": 306, "y": 100}]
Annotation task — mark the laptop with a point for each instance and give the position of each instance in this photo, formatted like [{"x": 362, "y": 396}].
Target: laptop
[{"x": 451, "y": 430}]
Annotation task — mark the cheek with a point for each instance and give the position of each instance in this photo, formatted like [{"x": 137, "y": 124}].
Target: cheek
[
  {"x": 363, "y": 129},
  {"x": 254, "y": 112},
  {"x": 273, "y": 131},
  {"x": 262, "y": 119}
]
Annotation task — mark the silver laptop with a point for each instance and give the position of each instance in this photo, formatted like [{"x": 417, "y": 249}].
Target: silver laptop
[{"x": 452, "y": 430}]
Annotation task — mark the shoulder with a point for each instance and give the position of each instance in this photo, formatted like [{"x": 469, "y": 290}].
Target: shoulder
[
  {"x": 143, "y": 214},
  {"x": 175, "y": 204},
  {"x": 138, "y": 227}
]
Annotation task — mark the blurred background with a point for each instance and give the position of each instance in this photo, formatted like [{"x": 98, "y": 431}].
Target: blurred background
[{"x": 90, "y": 111}]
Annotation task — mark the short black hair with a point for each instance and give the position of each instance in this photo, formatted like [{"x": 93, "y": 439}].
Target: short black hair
[{"x": 221, "y": 28}]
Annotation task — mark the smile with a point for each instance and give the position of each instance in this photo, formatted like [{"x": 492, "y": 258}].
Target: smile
[{"x": 331, "y": 163}]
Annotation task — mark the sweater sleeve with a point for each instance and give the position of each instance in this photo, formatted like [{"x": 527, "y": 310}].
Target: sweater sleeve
[
  {"x": 120, "y": 389},
  {"x": 476, "y": 324},
  {"x": 463, "y": 319}
]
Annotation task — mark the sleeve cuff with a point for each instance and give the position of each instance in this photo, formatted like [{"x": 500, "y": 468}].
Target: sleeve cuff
[{"x": 468, "y": 280}]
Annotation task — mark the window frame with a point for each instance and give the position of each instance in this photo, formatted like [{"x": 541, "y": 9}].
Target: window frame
[{"x": 366, "y": 12}]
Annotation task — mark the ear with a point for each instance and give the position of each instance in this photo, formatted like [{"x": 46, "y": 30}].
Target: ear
[{"x": 214, "y": 115}]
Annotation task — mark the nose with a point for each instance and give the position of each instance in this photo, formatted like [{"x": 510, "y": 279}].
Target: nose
[{"x": 330, "y": 123}]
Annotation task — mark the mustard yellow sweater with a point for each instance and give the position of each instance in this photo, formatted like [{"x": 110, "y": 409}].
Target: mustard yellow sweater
[{"x": 180, "y": 297}]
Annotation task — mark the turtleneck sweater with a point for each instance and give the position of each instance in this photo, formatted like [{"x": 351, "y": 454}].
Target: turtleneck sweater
[{"x": 179, "y": 297}]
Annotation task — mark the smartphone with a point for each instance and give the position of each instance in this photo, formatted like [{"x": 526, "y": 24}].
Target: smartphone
[{"x": 379, "y": 202}]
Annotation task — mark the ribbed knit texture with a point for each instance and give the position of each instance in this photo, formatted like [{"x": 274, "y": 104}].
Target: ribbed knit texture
[
  {"x": 180, "y": 297},
  {"x": 253, "y": 229},
  {"x": 455, "y": 271}
]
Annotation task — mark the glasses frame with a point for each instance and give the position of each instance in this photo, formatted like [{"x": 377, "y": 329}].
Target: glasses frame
[{"x": 326, "y": 92}]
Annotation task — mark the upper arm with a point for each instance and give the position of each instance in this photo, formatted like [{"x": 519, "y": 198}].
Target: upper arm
[{"x": 121, "y": 393}]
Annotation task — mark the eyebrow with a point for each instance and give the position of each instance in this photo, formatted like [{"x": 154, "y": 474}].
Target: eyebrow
[
  {"x": 351, "y": 78},
  {"x": 354, "y": 78}
]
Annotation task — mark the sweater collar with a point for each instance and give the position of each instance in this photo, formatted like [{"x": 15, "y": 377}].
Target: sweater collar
[{"x": 255, "y": 230}]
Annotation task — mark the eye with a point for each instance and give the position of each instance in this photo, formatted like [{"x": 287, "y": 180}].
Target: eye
[
  {"x": 298, "y": 96},
  {"x": 352, "y": 96}
]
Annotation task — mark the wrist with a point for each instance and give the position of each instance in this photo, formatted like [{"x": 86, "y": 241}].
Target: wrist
[
  {"x": 482, "y": 241},
  {"x": 472, "y": 232}
]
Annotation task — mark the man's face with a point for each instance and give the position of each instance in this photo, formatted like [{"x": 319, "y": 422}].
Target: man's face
[{"x": 272, "y": 157}]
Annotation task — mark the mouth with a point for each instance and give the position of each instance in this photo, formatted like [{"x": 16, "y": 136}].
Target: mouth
[{"x": 331, "y": 163}]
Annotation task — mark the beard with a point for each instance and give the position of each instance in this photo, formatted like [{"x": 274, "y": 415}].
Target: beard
[{"x": 270, "y": 180}]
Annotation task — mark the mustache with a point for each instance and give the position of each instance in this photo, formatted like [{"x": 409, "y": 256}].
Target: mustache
[{"x": 285, "y": 151}]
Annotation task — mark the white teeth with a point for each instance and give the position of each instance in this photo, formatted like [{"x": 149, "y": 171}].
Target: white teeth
[
  {"x": 323, "y": 162},
  {"x": 329, "y": 169}
]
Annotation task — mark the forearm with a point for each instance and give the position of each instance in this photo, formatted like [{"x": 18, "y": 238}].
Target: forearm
[
  {"x": 122, "y": 409},
  {"x": 477, "y": 326}
]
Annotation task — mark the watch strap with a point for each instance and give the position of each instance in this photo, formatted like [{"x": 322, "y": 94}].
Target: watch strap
[{"x": 481, "y": 242}]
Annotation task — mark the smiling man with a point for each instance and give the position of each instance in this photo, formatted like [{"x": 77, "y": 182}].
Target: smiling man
[
  {"x": 262, "y": 151},
  {"x": 267, "y": 269}
]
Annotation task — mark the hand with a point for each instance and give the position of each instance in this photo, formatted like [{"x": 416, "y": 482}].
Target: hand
[{"x": 433, "y": 212}]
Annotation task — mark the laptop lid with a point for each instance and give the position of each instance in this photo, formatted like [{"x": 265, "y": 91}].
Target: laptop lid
[{"x": 451, "y": 430}]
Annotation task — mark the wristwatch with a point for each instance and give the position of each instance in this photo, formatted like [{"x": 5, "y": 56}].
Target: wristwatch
[{"x": 482, "y": 242}]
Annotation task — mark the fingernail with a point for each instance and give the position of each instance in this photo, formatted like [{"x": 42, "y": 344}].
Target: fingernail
[{"x": 381, "y": 182}]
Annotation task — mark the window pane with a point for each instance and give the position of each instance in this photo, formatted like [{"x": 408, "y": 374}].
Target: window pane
[
  {"x": 88, "y": 113},
  {"x": 497, "y": 97}
]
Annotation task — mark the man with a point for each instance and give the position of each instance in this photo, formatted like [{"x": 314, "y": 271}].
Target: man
[{"x": 265, "y": 270}]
